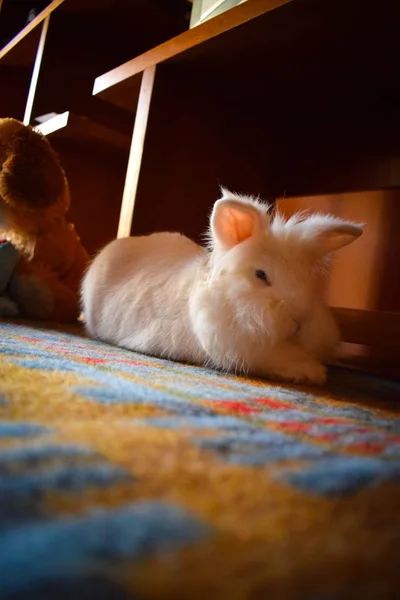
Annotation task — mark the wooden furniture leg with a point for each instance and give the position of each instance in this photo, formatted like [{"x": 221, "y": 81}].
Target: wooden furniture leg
[
  {"x": 35, "y": 72},
  {"x": 136, "y": 152}
]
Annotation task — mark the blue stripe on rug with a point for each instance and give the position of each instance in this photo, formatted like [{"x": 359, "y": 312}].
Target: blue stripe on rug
[
  {"x": 35, "y": 554},
  {"x": 31, "y": 456},
  {"x": 340, "y": 476},
  {"x": 258, "y": 448},
  {"x": 9, "y": 429},
  {"x": 64, "y": 478}
]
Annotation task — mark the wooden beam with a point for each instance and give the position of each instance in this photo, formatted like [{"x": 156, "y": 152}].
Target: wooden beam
[
  {"x": 136, "y": 152},
  {"x": 36, "y": 71}
]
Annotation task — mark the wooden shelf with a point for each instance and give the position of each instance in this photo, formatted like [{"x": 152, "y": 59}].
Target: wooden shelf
[
  {"x": 72, "y": 6},
  {"x": 121, "y": 12},
  {"x": 123, "y": 75},
  {"x": 291, "y": 52},
  {"x": 68, "y": 125},
  {"x": 29, "y": 28},
  {"x": 23, "y": 54}
]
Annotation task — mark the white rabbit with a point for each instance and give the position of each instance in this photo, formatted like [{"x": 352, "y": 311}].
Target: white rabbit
[{"x": 247, "y": 303}]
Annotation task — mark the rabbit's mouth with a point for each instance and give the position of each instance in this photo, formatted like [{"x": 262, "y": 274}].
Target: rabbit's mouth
[{"x": 296, "y": 331}]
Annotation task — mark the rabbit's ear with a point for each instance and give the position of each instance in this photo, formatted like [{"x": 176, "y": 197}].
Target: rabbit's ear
[
  {"x": 328, "y": 234},
  {"x": 233, "y": 221}
]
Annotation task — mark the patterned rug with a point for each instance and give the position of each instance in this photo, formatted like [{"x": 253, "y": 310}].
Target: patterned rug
[{"x": 124, "y": 476}]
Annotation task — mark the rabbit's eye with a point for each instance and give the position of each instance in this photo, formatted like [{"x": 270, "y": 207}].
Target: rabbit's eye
[{"x": 260, "y": 274}]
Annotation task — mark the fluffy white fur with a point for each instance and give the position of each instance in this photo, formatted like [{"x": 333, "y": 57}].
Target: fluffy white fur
[{"x": 164, "y": 295}]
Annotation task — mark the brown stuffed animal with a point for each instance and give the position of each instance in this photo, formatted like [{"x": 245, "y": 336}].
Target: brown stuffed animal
[{"x": 34, "y": 198}]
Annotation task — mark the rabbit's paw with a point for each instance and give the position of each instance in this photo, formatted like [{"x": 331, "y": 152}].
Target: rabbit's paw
[{"x": 304, "y": 372}]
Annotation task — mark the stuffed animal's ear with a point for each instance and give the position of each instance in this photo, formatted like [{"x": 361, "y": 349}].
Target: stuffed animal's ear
[
  {"x": 31, "y": 176},
  {"x": 328, "y": 234},
  {"x": 233, "y": 221}
]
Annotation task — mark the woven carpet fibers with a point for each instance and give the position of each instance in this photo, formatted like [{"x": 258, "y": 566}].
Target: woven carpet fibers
[{"x": 124, "y": 476}]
